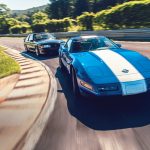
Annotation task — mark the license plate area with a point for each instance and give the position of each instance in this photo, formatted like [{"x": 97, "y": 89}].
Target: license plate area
[
  {"x": 135, "y": 87},
  {"x": 47, "y": 46}
]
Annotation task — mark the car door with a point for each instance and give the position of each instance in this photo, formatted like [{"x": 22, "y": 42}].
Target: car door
[{"x": 31, "y": 42}]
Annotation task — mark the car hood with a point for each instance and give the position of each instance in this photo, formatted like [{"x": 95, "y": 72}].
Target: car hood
[
  {"x": 108, "y": 65},
  {"x": 48, "y": 41},
  {"x": 95, "y": 69},
  {"x": 139, "y": 61}
]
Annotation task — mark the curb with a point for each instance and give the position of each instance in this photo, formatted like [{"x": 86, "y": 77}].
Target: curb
[
  {"x": 8, "y": 83},
  {"x": 32, "y": 135}
]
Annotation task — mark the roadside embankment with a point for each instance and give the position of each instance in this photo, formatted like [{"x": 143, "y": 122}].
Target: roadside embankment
[{"x": 28, "y": 105}]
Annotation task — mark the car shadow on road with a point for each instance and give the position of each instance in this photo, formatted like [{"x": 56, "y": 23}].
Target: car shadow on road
[
  {"x": 107, "y": 113},
  {"x": 40, "y": 58}
]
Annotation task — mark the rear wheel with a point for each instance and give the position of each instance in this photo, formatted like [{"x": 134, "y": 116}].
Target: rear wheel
[{"x": 75, "y": 86}]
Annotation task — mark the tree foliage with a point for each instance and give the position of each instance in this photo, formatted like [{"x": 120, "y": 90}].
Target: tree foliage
[
  {"x": 64, "y": 15},
  {"x": 60, "y": 25},
  {"x": 128, "y": 15},
  {"x": 3, "y": 9},
  {"x": 39, "y": 17},
  {"x": 85, "y": 21},
  {"x": 80, "y": 7},
  {"x": 59, "y": 9}
]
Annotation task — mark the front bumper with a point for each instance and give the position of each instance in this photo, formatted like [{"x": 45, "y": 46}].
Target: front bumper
[
  {"x": 48, "y": 51},
  {"x": 124, "y": 89},
  {"x": 87, "y": 93}
]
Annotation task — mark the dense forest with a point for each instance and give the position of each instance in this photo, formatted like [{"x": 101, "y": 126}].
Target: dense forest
[{"x": 75, "y": 15}]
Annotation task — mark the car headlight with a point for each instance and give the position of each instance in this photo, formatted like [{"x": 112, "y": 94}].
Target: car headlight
[
  {"x": 148, "y": 83},
  {"x": 86, "y": 85},
  {"x": 110, "y": 87},
  {"x": 46, "y": 46}
]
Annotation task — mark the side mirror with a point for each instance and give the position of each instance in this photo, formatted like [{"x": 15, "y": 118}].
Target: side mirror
[
  {"x": 119, "y": 45},
  {"x": 65, "y": 50}
]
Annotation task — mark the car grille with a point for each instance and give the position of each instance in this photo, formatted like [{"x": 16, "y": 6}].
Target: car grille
[
  {"x": 115, "y": 87},
  {"x": 54, "y": 45}
]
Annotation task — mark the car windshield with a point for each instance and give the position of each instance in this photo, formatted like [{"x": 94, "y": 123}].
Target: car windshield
[
  {"x": 43, "y": 36},
  {"x": 91, "y": 44}
]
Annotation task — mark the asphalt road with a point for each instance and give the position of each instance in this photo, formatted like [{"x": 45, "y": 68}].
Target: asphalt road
[{"x": 110, "y": 123}]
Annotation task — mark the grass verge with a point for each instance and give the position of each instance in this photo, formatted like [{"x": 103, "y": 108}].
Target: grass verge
[{"x": 8, "y": 66}]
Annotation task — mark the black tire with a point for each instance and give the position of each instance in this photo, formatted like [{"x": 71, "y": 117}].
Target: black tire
[
  {"x": 75, "y": 86},
  {"x": 37, "y": 51},
  {"x": 62, "y": 67}
]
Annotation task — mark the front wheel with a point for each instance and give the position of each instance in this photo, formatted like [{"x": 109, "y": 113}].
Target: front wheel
[
  {"x": 26, "y": 48},
  {"x": 37, "y": 51},
  {"x": 75, "y": 86}
]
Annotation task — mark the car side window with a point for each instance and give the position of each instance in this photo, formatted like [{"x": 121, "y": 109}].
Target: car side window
[
  {"x": 31, "y": 37},
  {"x": 68, "y": 44},
  {"x": 27, "y": 38}
]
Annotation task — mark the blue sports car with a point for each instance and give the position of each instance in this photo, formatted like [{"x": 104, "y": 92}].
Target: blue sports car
[{"x": 100, "y": 67}]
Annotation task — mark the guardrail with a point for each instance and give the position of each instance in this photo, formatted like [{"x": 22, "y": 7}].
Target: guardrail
[{"x": 126, "y": 34}]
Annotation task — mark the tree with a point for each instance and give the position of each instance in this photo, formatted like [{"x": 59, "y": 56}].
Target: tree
[
  {"x": 86, "y": 21},
  {"x": 59, "y": 9},
  {"x": 53, "y": 10},
  {"x": 39, "y": 20},
  {"x": 39, "y": 17},
  {"x": 64, "y": 8},
  {"x": 98, "y": 5},
  {"x": 4, "y": 26},
  {"x": 4, "y": 9},
  {"x": 80, "y": 7}
]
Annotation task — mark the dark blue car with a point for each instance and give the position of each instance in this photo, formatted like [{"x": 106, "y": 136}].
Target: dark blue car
[
  {"x": 42, "y": 43},
  {"x": 100, "y": 67}
]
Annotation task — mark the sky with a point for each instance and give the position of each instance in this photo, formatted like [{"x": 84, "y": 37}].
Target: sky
[{"x": 23, "y": 4}]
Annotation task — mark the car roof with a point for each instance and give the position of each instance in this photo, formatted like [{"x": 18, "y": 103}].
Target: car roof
[
  {"x": 42, "y": 33},
  {"x": 85, "y": 37}
]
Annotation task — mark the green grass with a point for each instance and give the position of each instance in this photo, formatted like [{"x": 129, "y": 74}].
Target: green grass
[{"x": 8, "y": 66}]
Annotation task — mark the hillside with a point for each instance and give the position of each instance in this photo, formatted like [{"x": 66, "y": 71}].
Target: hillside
[{"x": 20, "y": 12}]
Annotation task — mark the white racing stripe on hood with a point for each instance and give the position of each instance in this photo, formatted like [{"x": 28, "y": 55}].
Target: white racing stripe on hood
[{"x": 117, "y": 64}]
